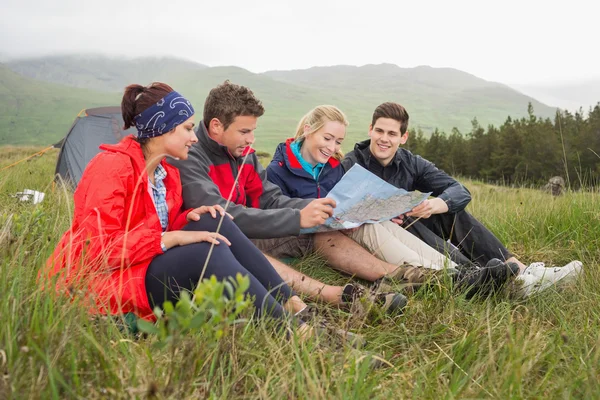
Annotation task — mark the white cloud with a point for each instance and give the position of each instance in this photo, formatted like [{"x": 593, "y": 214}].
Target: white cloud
[{"x": 510, "y": 41}]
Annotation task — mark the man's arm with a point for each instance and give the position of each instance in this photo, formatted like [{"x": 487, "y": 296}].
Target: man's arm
[
  {"x": 431, "y": 179},
  {"x": 199, "y": 190}
]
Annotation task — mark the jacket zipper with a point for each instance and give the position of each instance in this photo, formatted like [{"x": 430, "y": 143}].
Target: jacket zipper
[
  {"x": 318, "y": 184},
  {"x": 236, "y": 173}
]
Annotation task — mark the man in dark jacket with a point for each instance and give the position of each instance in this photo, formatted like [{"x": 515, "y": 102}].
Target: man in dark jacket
[
  {"x": 443, "y": 218},
  {"x": 223, "y": 169}
]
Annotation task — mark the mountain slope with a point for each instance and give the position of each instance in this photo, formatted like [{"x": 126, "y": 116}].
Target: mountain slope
[
  {"x": 100, "y": 72},
  {"x": 434, "y": 97},
  {"x": 33, "y": 112}
]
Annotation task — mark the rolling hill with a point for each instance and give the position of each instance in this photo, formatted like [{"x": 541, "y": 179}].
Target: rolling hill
[
  {"x": 435, "y": 97},
  {"x": 101, "y": 72},
  {"x": 34, "y": 112}
]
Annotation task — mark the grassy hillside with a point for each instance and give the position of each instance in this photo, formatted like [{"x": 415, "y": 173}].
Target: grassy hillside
[
  {"x": 443, "y": 347},
  {"x": 33, "y": 112},
  {"x": 100, "y": 72},
  {"x": 435, "y": 97}
]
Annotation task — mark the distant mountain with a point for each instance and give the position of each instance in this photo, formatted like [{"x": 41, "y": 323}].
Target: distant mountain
[
  {"x": 435, "y": 97},
  {"x": 101, "y": 72},
  {"x": 40, "y": 113},
  {"x": 568, "y": 96}
]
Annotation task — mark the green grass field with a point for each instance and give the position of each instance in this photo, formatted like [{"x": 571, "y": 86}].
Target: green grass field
[{"x": 443, "y": 347}]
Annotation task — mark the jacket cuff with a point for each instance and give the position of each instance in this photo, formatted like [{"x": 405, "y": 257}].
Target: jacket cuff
[
  {"x": 447, "y": 200},
  {"x": 181, "y": 220}
]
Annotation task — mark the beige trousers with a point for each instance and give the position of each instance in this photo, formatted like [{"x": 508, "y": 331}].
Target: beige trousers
[{"x": 395, "y": 245}]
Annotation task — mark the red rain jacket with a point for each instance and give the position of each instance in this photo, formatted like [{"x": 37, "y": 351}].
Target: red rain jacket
[{"x": 115, "y": 232}]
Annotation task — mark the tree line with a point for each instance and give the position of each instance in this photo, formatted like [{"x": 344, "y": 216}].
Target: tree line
[{"x": 526, "y": 151}]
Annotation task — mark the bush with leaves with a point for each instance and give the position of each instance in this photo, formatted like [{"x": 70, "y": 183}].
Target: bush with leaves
[{"x": 215, "y": 308}]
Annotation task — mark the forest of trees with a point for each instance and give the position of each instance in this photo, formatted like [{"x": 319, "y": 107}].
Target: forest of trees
[{"x": 527, "y": 151}]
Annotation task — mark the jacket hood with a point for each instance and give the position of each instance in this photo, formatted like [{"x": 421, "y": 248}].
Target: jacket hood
[
  {"x": 130, "y": 147},
  {"x": 362, "y": 149}
]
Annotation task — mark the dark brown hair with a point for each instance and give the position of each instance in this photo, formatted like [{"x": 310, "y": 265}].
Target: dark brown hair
[
  {"x": 227, "y": 101},
  {"x": 138, "y": 98},
  {"x": 392, "y": 111}
]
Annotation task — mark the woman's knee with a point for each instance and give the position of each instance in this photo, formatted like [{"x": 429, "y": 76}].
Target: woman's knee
[
  {"x": 229, "y": 227},
  {"x": 205, "y": 223}
]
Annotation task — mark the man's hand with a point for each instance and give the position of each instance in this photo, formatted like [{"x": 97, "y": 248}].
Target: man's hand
[
  {"x": 427, "y": 208},
  {"x": 195, "y": 214},
  {"x": 316, "y": 212}
]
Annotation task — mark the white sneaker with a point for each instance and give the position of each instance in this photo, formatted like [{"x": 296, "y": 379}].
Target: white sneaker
[{"x": 537, "y": 277}]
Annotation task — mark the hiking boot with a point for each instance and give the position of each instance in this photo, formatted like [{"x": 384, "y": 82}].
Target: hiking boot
[
  {"x": 471, "y": 279},
  {"x": 410, "y": 278},
  {"x": 501, "y": 272},
  {"x": 487, "y": 280},
  {"x": 327, "y": 331},
  {"x": 390, "y": 302},
  {"x": 537, "y": 278}
]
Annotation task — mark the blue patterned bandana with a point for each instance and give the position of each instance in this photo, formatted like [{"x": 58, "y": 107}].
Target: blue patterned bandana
[{"x": 165, "y": 115}]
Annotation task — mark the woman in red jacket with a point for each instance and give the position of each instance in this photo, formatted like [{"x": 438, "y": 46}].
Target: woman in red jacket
[{"x": 131, "y": 246}]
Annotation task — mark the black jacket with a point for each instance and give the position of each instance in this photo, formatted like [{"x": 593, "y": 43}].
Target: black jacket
[{"x": 410, "y": 172}]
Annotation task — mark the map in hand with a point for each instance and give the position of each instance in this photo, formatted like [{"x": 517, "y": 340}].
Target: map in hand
[{"x": 364, "y": 198}]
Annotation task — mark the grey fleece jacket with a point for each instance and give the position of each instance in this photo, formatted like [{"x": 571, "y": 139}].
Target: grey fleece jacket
[{"x": 259, "y": 208}]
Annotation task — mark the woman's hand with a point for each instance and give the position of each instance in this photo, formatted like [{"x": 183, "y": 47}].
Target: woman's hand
[
  {"x": 182, "y": 238},
  {"x": 195, "y": 214}
]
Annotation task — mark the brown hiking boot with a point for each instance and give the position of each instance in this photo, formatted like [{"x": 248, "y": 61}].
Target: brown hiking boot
[
  {"x": 327, "y": 331},
  {"x": 408, "y": 278},
  {"x": 357, "y": 296}
]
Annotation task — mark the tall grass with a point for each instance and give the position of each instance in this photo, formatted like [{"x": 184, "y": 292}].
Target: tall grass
[{"x": 443, "y": 347}]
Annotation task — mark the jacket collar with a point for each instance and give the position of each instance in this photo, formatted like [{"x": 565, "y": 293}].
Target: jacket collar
[
  {"x": 293, "y": 162},
  {"x": 364, "y": 155},
  {"x": 206, "y": 142},
  {"x": 130, "y": 147}
]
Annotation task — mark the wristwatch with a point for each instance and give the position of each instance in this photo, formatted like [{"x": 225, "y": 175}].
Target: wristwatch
[{"x": 162, "y": 245}]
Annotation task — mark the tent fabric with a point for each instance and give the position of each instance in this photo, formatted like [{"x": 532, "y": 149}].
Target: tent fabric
[{"x": 80, "y": 145}]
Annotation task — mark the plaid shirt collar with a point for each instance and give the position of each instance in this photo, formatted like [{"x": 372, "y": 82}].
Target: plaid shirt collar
[
  {"x": 160, "y": 173},
  {"x": 159, "y": 193}
]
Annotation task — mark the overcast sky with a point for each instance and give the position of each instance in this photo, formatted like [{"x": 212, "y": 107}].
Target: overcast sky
[{"x": 509, "y": 41}]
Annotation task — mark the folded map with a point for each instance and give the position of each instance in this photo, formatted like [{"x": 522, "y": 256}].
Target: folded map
[{"x": 364, "y": 198}]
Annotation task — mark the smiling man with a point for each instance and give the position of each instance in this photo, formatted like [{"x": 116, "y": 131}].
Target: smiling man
[{"x": 442, "y": 218}]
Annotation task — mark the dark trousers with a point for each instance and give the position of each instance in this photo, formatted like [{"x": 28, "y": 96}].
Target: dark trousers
[
  {"x": 180, "y": 268},
  {"x": 471, "y": 241}
]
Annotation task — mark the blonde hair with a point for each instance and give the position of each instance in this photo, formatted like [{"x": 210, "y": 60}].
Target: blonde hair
[{"x": 316, "y": 119}]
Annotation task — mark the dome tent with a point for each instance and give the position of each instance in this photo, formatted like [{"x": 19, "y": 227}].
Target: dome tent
[{"x": 91, "y": 128}]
